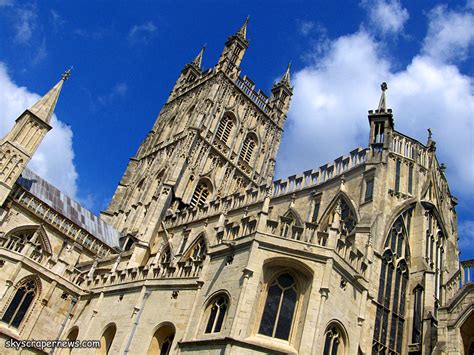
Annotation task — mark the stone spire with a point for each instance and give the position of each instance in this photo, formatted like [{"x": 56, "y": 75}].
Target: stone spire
[
  {"x": 197, "y": 62},
  {"x": 44, "y": 108},
  {"x": 243, "y": 30},
  {"x": 382, "y": 104}
]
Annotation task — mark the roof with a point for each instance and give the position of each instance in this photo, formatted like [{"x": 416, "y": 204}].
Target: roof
[{"x": 68, "y": 207}]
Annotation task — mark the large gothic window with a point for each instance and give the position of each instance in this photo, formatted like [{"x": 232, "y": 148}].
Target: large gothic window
[
  {"x": 225, "y": 128},
  {"x": 280, "y": 307},
  {"x": 201, "y": 194},
  {"x": 25, "y": 294},
  {"x": 218, "y": 308},
  {"x": 248, "y": 148},
  {"x": 391, "y": 298}
]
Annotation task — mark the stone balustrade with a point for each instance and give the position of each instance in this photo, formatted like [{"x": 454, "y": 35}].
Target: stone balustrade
[{"x": 248, "y": 87}]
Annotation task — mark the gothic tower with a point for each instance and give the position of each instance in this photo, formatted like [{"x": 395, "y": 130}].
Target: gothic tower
[
  {"x": 19, "y": 145},
  {"x": 215, "y": 136}
]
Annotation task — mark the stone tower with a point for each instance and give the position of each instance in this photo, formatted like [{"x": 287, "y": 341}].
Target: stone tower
[
  {"x": 216, "y": 135},
  {"x": 19, "y": 145}
]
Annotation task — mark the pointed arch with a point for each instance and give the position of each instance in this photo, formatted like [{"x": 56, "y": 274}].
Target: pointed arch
[
  {"x": 22, "y": 299},
  {"x": 291, "y": 224},
  {"x": 336, "y": 339},
  {"x": 202, "y": 193},
  {"x": 17, "y": 238},
  {"x": 107, "y": 339},
  {"x": 197, "y": 251},
  {"x": 391, "y": 298},
  {"x": 226, "y": 126},
  {"x": 162, "y": 339},
  {"x": 341, "y": 214},
  {"x": 249, "y": 147}
]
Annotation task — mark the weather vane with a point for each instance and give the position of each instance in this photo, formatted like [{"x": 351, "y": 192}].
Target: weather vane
[{"x": 66, "y": 74}]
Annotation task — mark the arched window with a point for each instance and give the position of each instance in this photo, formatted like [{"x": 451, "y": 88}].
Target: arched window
[
  {"x": 225, "y": 128},
  {"x": 19, "y": 238},
  {"x": 165, "y": 256},
  {"x": 72, "y": 336},
  {"x": 162, "y": 340},
  {"x": 26, "y": 292},
  {"x": 280, "y": 307},
  {"x": 417, "y": 315},
  {"x": 291, "y": 226},
  {"x": 248, "y": 148},
  {"x": 391, "y": 299},
  {"x": 341, "y": 217},
  {"x": 218, "y": 309},
  {"x": 199, "y": 250},
  {"x": 201, "y": 194},
  {"x": 106, "y": 340},
  {"x": 333, "y": 341}
]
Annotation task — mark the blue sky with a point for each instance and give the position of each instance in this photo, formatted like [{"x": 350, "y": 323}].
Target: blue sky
[{"x": 127, "y": 55}]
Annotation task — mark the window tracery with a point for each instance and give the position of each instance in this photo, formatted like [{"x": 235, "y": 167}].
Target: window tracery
[
  {"x": 280, "y": 307},
  {"x": 342, "y": 218},
  {"x": 333, "y": 341},
  {"x": 391, "y": 298},
  {"x": 218, "y": 310},
  {"x": 21, "y": 302},
  {"x": 17, "y": 241}
]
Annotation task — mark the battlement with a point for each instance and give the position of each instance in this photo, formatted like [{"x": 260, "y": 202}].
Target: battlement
[{"x": 248, "y": 87}]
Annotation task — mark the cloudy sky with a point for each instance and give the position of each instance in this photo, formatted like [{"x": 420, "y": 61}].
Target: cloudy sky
[{"x": 127, "y": 55}]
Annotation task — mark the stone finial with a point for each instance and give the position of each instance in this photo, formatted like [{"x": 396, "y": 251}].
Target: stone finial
[
  {"x": 382, "y": 103},
  {"x": 197, "y": 62},
  {"x": 243, "y": 30}
]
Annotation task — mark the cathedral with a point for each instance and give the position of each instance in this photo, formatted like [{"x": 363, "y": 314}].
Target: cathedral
[{"x": 201, "y": 251}]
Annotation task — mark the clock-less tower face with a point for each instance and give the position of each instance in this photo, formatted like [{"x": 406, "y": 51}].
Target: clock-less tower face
[{"x": 215, "y": 136}]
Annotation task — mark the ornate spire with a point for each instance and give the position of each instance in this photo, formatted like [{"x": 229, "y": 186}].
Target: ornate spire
[
  {"x": 197, "y": 62},
  {"x": 243, "y": 30},
  {"x": 382, "y": 103},
  {"x": 44, "y": 107},
  {"x": 286, "y": 77}
]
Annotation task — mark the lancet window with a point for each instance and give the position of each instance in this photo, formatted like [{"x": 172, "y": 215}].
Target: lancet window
[
  {"x": 200, "y": 195},
  {"x": 434, "y": 250},
  {"x": 333, "y": 341},
  {"x": 248, "y": 148}
]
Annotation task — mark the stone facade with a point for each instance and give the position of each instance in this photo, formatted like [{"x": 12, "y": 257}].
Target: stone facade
[{"x": 200, "y": 251}]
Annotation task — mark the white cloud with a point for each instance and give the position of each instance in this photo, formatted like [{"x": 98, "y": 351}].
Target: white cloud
[
  {"x": 143, "y": 32},
  {"x": 466, "y": 235},
  {"x": 328, "y": 116},
  {"x": 450, "y": 34},
  {"x": 305, "y": 27},
  {"x": 388, "y": 16},
  {"x": 54, "y": 159},
  {"x": 25, "y": 24}
]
